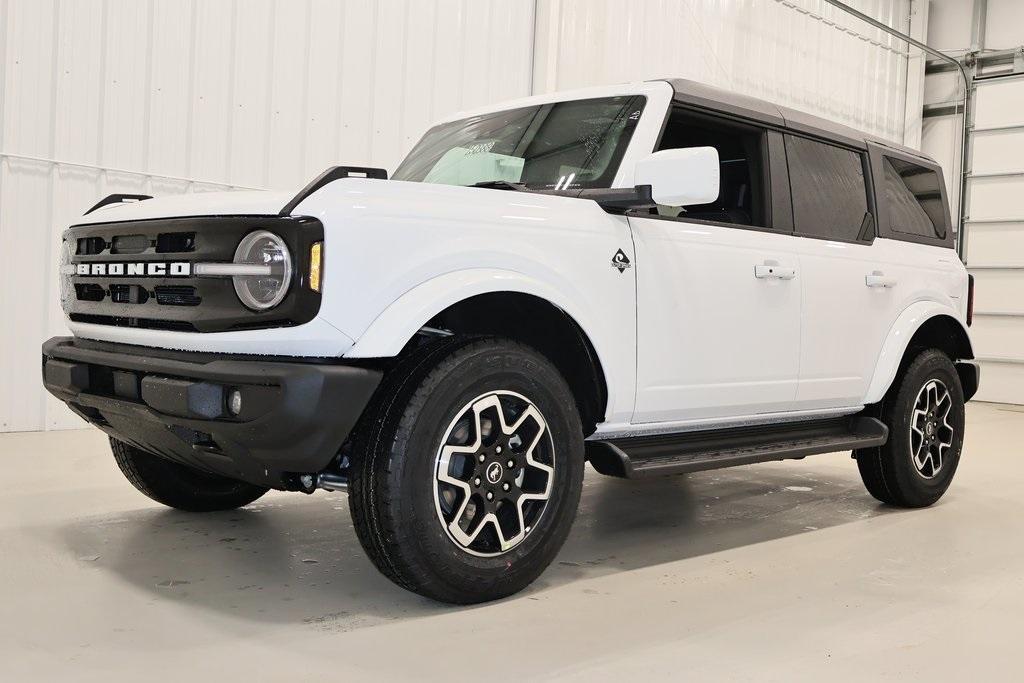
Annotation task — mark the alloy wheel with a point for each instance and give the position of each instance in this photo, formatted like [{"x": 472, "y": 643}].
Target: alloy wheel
[
  {"x": 931, "y": 434},
  {"x": 494, "y": 473}
]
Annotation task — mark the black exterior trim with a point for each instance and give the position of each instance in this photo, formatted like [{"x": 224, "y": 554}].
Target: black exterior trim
[
  {"x": 295, "y": 416},
  {"x": 117, "y": 199},
  {"x": 779, "y": 192},
  {"x": 616, "y": 200},
  {"x": 970, "y": 377},
  {"x": 329, "y": 176},
  {"x": 642, "y": 457}
]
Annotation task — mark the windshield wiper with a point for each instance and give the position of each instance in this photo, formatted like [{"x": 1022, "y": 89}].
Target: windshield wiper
[{"x": 501, "y": 185}]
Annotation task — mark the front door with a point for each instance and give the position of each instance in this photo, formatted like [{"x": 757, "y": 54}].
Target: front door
[
  {"x": 718, "y": 320},
  {"x": 719, "y": 285}
]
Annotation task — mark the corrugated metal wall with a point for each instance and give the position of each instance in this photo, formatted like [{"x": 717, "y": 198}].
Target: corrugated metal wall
[
  {"x": 800, "y": 53},
  {"x": 166, "y": 96}
]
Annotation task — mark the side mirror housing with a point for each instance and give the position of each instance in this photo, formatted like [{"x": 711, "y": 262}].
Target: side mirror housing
[{"x": 681, "y": 177}]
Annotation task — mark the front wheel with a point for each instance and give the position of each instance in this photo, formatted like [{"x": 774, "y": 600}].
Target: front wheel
[
  {"x": 925, "y": 414},
  {"x": 467, "y": 475}
]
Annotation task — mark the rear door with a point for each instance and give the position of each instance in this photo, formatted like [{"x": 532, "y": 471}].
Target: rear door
[
  {"x": 864, "y": 261},
  {"x": 849, "y": 304}
]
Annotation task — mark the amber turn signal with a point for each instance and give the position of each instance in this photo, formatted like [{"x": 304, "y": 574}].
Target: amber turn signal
[{"x": 316, "y": 253}]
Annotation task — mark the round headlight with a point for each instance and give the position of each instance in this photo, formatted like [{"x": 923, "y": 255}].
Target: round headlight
[{"x": 266, "y": 289}]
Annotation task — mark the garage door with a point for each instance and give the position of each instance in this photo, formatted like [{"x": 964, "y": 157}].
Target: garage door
[{"x": 995, "y": 236}]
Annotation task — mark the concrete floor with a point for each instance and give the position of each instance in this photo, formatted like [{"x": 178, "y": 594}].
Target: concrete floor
[{"x": 785, "y": 571}]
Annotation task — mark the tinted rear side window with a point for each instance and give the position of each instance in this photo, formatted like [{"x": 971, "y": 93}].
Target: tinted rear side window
[
  {"x": 830, "y": 198},
  {"x": 914, "y": 198}
]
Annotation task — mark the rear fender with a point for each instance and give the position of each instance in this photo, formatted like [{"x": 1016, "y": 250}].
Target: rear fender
[{"x": 902, "y": 331}]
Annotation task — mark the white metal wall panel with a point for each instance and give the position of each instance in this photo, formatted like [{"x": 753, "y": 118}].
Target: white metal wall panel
[
  {"x": 198, "y": 95},
  {"x": 1004, "y": 25},
  {"x": 799, "y": 53},
  {"x": 950, "y": 27},
  {"x": 995, "y": 236}
]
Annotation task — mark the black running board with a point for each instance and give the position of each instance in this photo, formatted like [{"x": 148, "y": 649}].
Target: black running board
[{"x": 641, "y": 457}]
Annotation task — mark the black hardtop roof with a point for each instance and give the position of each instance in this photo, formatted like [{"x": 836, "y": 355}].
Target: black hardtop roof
[{"x": 744, "y": 106}]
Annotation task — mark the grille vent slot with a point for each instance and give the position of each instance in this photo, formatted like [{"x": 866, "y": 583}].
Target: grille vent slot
[
  {"x": 147, "y": 323},
  {"x": 129, "y": 244},
  {"x": 175, "y": 242},
  {"x": 90, "y": 293},
  {"x": 87, "y": 246},
  {"x": 128, "y": 294},
  {"x": 177, "y": 295}
]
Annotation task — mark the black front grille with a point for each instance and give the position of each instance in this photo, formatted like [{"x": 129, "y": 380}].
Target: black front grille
[{"x": 130, "y": 297}]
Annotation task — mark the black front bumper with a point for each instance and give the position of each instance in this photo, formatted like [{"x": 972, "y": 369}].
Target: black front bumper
[{"x": 294, "y": 415}]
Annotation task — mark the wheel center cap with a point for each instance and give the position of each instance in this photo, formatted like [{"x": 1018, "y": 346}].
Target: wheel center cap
[
  {"x": 494, "y": 472},
  {"x": 928, "y": 429}
]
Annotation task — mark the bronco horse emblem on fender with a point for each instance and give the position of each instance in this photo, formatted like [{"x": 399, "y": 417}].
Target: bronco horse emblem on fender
[{"x": 620, "y": 261}]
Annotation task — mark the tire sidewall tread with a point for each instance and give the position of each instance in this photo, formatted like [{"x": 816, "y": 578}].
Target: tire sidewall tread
[
  {"x": 178, "y": 486},
  {"x": 888, "y": 471},
  {"x": 392, "y": 491}
]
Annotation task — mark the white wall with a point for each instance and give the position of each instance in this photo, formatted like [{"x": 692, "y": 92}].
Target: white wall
[
  {"x": 165, "y": 96},
  {"x": 949, "y": 27},
  {"x": 801, "y": 53}
]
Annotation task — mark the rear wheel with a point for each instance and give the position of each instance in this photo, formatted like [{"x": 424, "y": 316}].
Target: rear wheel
[
  {"x": 925, "y": 414},
  {"x": 178, "y": 486},
  {"x": 466, "y": 478}
]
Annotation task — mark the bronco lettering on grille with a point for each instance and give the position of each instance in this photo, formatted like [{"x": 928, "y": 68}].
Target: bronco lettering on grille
[{"x": 137, "y": 269}]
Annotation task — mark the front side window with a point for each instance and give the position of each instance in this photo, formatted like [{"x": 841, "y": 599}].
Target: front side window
[
  {"x": 564, "y": 145},
  {"x": 830, "y": 198},
  {"x": 914, "y": 199},
  {"x": 741, "y": 199}
]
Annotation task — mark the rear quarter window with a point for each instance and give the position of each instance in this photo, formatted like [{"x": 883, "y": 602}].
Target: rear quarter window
[{"x": 913, "y": 195}]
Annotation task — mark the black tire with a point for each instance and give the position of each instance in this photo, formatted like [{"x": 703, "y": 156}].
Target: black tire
[
  {"x": 396, "y": 509},
  {"x": 178, "y": 486},
  {"x": 890, "y": 472}
]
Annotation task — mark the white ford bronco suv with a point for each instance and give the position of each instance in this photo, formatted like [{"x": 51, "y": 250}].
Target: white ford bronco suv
[{"x": 657, "y": 278}]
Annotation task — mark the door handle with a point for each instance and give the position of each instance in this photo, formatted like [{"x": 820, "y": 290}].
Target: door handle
[
  {"x": 771, "y": 270},
  {"x": 878, "y": 279}
]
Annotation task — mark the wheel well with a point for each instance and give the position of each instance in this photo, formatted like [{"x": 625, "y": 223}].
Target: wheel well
[
  {"x": 941, "y": 332},
  {"x": 540, "y": 324}
]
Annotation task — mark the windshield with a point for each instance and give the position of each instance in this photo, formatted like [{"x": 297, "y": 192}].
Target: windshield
[{"x": 576, "y": 144}]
